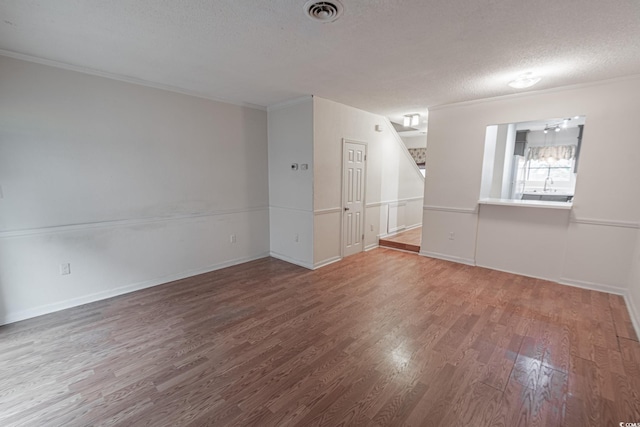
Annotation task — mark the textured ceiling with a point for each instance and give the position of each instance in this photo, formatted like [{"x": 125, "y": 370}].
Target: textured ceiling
[{"x": 386, "y": 56}]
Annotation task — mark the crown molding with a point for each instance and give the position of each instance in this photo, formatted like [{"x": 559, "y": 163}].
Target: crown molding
[
  {"x": 533, "y": 92},
  {"x": 125, "y": 79},
  {"x": 289, "y": 103}
]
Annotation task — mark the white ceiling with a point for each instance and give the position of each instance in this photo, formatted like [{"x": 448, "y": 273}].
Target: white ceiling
[{"x": 391, "y": 57}]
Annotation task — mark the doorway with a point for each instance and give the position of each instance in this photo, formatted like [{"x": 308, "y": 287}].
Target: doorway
[{"x": 354, "y": 158}]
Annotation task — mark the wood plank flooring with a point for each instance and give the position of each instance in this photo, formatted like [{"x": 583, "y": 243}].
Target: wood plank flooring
[
  {"x": 409, "y": 240},
  {"x": 381, "y": 338}
]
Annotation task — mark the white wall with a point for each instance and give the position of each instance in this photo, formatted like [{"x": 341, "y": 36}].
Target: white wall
[
  {"x": 392, "y": 175},
  {"x": 291, "y": 191},
  {"x": 594, "y": 245},
  {"x": 417, "y": 141},
  {"x": 132, "y": 186},
  {"x": 499, "y": 143},
  {"x": 633, "y": 300},
  {"x": 499, "y": 160}
]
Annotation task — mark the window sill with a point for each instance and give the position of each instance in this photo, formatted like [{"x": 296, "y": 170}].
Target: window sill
[{"x": 527, "y": 203}]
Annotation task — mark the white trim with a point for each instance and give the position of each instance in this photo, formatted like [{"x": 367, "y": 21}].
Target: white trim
[
  {"x": 403, "y": 147},
  {"x": 450, "y": 209},
  {"x": 606, "y": 222},
  {"x": 567, "y": 282},
  {"x": 12, "y": 317},
  {"x": 538, "y": 204},
  {"x": 633, "y": 313},
  {"x": 121, "y": 222},
  {"x": 548, "y": 279},
  {"x": 388, "y": 202},
  {"x": 411, "y": 227},
  {"x": 445, "y": 257},
  {"x": 328, "y": 261},
  {"x": 406, "y": 228},
  {"x": 375, "y": 204},
  {"x": 125, "y": 79},
  {"x": 592, "y": 286},
  {"x": 290, "y": 260},
  {"x": 289, "y": 103},
  {"x": 371, "y": 247},
  {"x": 327, "y": 211},
  {"x": 533, "y": 92},
  {"x": 399, "y": 250}
]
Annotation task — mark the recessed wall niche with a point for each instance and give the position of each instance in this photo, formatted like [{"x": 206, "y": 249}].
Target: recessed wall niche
[{"x": 534, "y": 160}]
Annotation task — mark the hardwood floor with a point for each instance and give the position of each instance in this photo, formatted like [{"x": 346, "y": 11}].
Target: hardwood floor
[
  {"x": 409, "y": 240},
  {"x": 381, "y": 338}
]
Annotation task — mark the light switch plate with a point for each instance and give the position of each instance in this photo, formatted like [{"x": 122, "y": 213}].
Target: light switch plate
[{"x": 65, "y": 269}]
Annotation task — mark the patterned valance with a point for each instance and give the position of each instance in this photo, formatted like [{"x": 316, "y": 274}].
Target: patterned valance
[
  {"x": 419, "y": 155},
  {"x": 566, "y": 152}
]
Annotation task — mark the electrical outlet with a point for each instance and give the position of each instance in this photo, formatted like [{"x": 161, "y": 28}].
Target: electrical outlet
[
  {"x": 452, "y": 235},
  {"x": 232, "y": 238},
  {"x": 371, "y": 227},
  {"x": 296, "y": 238},
  {"x": 65, "y": 269}
]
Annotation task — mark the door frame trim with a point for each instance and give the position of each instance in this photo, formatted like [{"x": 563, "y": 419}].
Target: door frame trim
[{"x": 364, "y": 197}]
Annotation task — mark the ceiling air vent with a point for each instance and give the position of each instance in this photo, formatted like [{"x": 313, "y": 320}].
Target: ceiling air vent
[{"x": 323, "y": 11}]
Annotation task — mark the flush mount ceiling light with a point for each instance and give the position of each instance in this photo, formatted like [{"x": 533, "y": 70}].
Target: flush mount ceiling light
[
  {"x": 524, "y": 81},
  {"x": 323, "y": 11},
  {"x": 411, "y": 120}
]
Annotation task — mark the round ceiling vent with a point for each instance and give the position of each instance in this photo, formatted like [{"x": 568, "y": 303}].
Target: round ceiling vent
[{"x": 323, "y": 11}]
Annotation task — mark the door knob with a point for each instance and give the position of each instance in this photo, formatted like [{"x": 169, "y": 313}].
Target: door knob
[{"x": 346, "y": 209}]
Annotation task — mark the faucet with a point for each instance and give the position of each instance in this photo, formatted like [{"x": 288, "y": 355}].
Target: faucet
[{"x": 547, "y": 182}]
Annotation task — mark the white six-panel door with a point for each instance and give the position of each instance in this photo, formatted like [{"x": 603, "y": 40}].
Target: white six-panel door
[{"x": 353, "y": 191}]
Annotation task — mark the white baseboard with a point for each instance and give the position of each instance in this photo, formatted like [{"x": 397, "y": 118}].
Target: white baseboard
[
  {"x": 592, "y": 286},
  {"x": 326, "y": 262},
  {"x": 633, "y": 312},
  {"x": 17, "y": 316},
  {"x": 504, "y": 270},
  {"x": 371, "y": 246},
  {"x": 467, "y": 261},
  {"x": 411, "y": 227},
  {"x": 291, "y": 260}
]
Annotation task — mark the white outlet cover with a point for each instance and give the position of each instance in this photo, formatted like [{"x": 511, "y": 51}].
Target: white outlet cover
[{"x": 65, "y": 269}]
